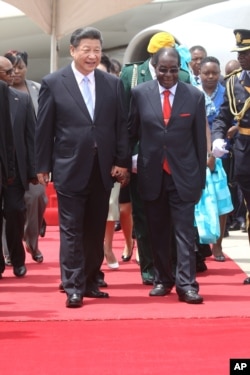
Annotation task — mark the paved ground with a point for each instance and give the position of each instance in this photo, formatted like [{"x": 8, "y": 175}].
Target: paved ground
[{"x": 236, "y": 246}]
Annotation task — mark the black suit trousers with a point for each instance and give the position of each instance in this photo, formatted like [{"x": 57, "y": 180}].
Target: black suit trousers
[
  {"x": 82, "y": 218},
  {"x": 164, "y": 213}
]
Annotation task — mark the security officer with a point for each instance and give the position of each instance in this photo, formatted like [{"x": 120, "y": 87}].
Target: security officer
[
  {"x": 131, "y": 75},
  {"x": 236, "y": 107}
]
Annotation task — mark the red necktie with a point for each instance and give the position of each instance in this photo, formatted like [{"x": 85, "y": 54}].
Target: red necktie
[{"x": 166, "y": 116}]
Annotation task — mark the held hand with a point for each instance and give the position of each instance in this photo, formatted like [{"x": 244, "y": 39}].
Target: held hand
[
  {"x": 121, "y": 175},
  {"x": 210, "y": 162},
  {"x": 43, "y": 178},
  {"x": 219, "y": 148}
]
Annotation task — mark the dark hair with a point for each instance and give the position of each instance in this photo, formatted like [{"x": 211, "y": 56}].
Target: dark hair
[
  {"x": 16, "y": 56},
  {"x": 200, "y": 48},
  {"x": 211, "y": 59},
  {"x": 158, "y": 54},
  {"x": 116, "y": 66},
  {"x": 106, "y": 62},
  {"x": 85, "y": 33}
]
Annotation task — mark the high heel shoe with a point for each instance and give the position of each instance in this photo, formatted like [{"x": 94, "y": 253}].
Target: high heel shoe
[
  {"x": 113, "y": 266},
  {"x": 126, "y": 258}
]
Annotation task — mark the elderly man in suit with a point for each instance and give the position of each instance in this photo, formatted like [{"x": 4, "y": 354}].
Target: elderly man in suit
[
  {"x": 171, "y": 169},
  {"x": 23, "y": 125},
  {"x": 82, "y": 138}
]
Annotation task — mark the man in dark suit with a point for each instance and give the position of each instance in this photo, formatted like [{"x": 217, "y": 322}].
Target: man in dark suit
[
  {"x": 23, "y": 126},
  {"x": 170, "y": 197},
  {"x": 82, "y": 138},
  {"x": 236, "y": 107},
  {"x": 7, "y": 159}
]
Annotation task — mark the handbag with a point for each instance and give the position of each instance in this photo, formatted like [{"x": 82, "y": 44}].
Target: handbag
[{"x": 206, "y": 213}]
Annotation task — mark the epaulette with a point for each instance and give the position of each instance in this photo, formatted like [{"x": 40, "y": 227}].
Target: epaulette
[
  {"x": 236, "y": 71},
  {"x": 133, "y": 63}
]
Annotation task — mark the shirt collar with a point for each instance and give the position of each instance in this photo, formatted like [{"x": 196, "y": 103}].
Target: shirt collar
[{"x": 172, "y": 89}]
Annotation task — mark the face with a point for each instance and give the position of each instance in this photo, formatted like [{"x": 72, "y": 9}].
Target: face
[
  {"x": 87, "y": 55},
  {"x": 210, "y": 74},
  {"x": 20, "y": 70},
  {"x": 244, "y": 59},
  {"x": 6, "y": 72},
  {"x": 167, "y": 70},
  {"x": 195, "y": 62}
]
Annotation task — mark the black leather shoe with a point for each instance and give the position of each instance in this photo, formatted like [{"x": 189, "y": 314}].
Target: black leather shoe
[
  {"x": 159, "y": 290},
  {"x": 74, "y": 300},
  {"x": 43, "y": 228},
  {"x": 191, "y": 296},
  {"x": 234, "y": 226},
  {"x": 19, "y": 271},
  {"x": 117, "y": 226},
  {"x": 95, "y": 293},
  {"x": 101, "y": 283},
  {"x": 247, "y": 281}
]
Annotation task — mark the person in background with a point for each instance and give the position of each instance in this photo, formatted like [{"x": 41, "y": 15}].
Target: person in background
[
  {"x": 14, "y": 208},
  {"x": 198, "y": 53},
  {"x": 167, "y": 117},
  {"x": 7, "y": 153},
  {"x": 236, "y": 107},
  {"x": 35, "y": 197},
  {"x": 131, "y": 75},
  {"x": 82, "y": 139},
  {"x": 214, "y": 92},
  {"x": 237, "y": 219}
]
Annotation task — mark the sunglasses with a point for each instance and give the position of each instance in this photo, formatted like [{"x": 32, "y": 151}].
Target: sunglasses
[
  {"x": 7, "y": 72},
  {"x": 171, "y": 70}
]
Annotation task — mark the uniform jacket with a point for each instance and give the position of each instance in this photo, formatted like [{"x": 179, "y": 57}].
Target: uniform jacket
[
  {"x": 23, "y": 125},
  {"x": 225, "y": 119},
  {"x": 182, "y": 141},
  {"x": 66, "y": 134}
]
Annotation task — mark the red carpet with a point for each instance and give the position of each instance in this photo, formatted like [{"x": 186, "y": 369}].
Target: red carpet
[
  {"x": 36, "y": 296},
  {"x": 130, "y": 333}
]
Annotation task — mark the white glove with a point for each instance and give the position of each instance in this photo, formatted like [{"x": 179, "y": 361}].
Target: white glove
[
  {"x": 219, "y": 148},
  {"x": 134, "y": 163}
]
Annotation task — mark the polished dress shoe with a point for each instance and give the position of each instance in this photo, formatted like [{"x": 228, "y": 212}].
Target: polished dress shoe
[
  {"x": 247, "y": 281},
  {"x": 95, "y": 293},
  {"x": 7, "y": 260},
  {"x": 36, "y": 255},
  {"x": 74, "y": 300},
  {"x": 19, "y": 271},
  {"x": 159, "y": 290},
  {"x": 101, "y": 283},
  {"x": 117, "y": 226},
  {"x": 191, "y": 296},
  {"x": 243, "y": 228},
  {"x": 148, "y": 281}
]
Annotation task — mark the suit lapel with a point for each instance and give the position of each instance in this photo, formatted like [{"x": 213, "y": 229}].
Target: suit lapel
[
  {"x": 70, "y": 83},
  {"x": 154, "y": 99}
]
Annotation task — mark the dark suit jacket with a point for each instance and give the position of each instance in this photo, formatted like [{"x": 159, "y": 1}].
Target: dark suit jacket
[
  {"x": 6, "y": 137},
  {"x": 23, "y": 125},
  {"x": 66, "y": 134},
  {"x": 183, "y": 141}
]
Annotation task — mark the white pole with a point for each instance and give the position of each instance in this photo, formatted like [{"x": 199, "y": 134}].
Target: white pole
[{"x": 53, "y": 41}]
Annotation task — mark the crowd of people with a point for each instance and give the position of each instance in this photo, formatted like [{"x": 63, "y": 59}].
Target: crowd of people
[{"x": 136, "y": 145}]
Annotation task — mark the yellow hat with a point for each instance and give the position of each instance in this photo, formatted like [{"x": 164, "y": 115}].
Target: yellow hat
[{"x": 160, "y": 40}]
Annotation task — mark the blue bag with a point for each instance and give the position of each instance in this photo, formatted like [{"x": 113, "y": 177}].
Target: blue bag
[{"x": 206, "y": 213}]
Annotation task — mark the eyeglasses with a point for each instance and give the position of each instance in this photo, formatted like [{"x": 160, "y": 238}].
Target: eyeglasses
[
  {"x": 171, "y": 70},
  {"x": 7, "y": 72}
]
